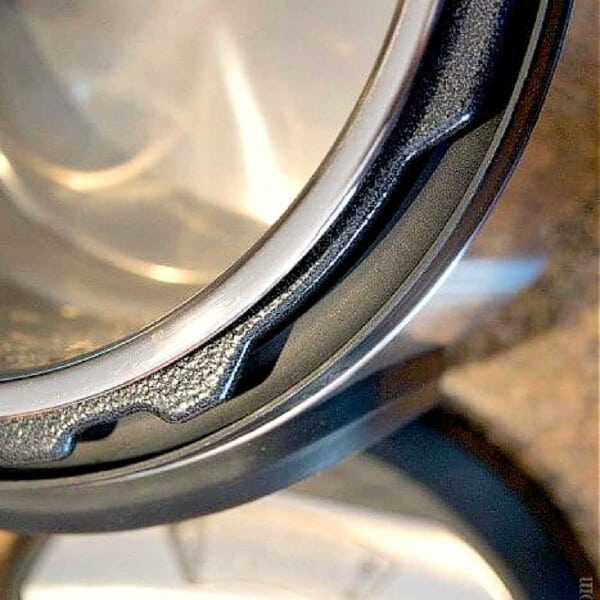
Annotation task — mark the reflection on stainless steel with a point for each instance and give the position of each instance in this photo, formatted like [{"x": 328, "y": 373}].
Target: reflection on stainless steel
[
  {"x": 469, "y": 292},
  {"x": 287, "y": 242},
  {"x": 242, "y": 126},
  {"x": 164, "y": 140},
  {"x": 30, "y": 336}
]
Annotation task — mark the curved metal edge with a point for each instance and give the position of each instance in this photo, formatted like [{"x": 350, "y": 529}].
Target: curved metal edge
[{"x": 204, "y": 379}]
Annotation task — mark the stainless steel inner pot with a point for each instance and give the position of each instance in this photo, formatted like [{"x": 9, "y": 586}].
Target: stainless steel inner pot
[{"x": 145, "y": 147}]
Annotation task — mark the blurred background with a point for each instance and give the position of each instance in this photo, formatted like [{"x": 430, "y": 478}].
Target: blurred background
[{"x": 530, "y": 373}]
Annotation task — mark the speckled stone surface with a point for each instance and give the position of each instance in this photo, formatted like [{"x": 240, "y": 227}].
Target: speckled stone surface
[{"x": 531, "y": 372}]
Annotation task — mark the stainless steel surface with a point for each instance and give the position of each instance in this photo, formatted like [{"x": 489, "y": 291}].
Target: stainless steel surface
[
  {"x": 287, "y": 242},
  {"x": 473, "y": 288},
  {"x": 162, "y": 141}
]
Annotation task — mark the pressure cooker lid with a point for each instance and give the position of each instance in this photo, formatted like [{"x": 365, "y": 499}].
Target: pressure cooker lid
[{"x": 212, "y": 217}]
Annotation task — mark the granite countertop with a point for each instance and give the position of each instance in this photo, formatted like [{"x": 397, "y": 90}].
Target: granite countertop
[{"x": 530, "y": 373}]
